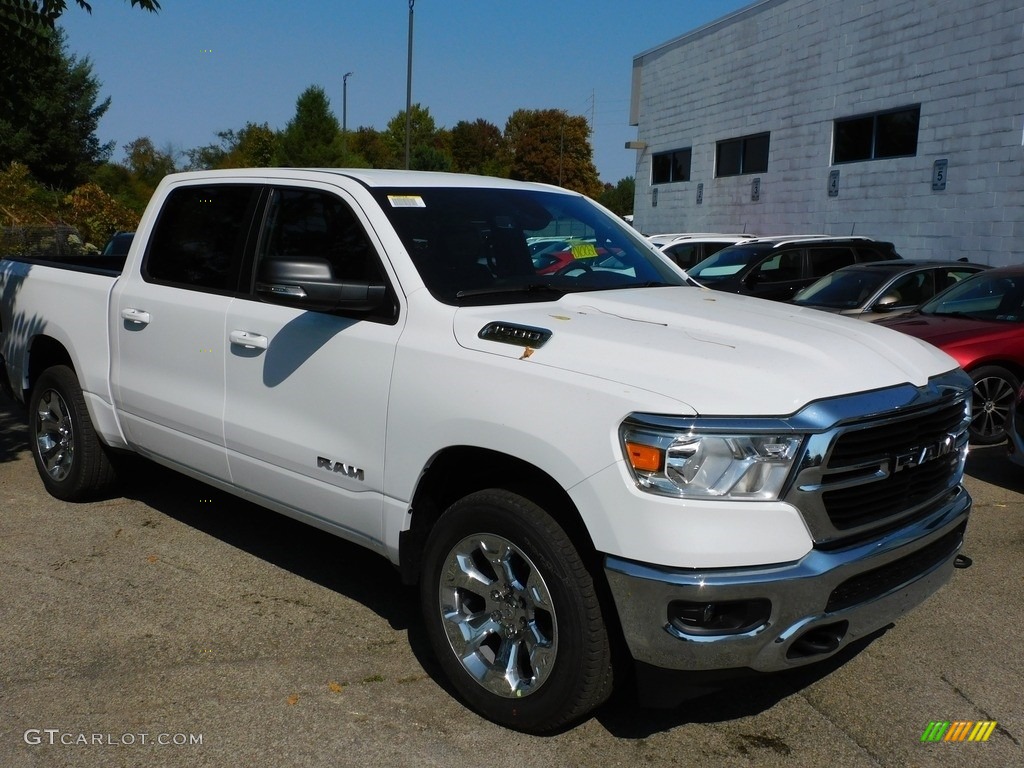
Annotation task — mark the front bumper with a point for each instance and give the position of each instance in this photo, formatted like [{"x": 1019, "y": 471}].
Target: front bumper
[{"x": 841, "y": 594}]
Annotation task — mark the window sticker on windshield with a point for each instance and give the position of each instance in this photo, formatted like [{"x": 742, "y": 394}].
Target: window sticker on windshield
[
  {"x": 406, "y": 201},
  {"x": 584, "y": 251}
]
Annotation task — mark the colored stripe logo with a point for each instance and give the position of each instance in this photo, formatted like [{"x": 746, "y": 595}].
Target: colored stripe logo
[{"x": 959, "y": 730}]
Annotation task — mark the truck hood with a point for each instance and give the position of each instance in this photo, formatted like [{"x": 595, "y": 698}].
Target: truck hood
[{"x": 715, "y": 353}]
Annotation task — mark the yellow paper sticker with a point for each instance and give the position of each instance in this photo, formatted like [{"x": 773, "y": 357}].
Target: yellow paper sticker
[
  {"x": 584, "y": 251},
  {"x": 406, "y": 201}
]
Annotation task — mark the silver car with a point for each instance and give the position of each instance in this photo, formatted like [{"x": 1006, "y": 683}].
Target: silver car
[{"x": 879, "y": 289}]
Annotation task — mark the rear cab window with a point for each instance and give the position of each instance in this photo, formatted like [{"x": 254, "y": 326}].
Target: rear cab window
[{"x": 200, "y": 239}]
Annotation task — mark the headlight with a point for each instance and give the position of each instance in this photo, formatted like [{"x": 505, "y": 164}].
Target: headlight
[{"x": 709, "y": 465}]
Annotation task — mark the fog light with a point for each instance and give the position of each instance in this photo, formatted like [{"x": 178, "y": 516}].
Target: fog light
[{"x": 730, "y": 617}]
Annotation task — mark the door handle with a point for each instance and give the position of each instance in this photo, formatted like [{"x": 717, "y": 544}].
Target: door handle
[
  {"x": 135, "y": 316},
  {"x": 248, "y": 340}
]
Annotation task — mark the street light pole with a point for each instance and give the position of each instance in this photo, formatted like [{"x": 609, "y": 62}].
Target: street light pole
[
  {"x": 344, "y": 102},
  {"x": 408, "y": 92},
  {"x": 344, "y": 116}
]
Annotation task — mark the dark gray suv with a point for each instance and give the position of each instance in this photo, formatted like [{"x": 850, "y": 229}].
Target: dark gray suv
[{"x": 777, "y": 267}]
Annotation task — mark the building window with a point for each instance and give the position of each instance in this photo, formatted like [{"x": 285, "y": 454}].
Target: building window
[
  {"x": 748, "y": 154},
  {"x": 672, "y": 166},
  {"x": 876, "y": 136}
]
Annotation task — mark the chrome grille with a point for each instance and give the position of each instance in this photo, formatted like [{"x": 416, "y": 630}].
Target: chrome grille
[
  {"x": 864, "y": 476},
  {"x": 899, "y": 435},
  {"x": 863, "y": 504}
]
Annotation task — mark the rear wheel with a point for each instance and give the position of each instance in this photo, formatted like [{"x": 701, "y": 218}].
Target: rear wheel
[
  {"x": 72, "y": 462},
  {"x": 995, "y": 390},
  {"x": 512, "y": 614}
]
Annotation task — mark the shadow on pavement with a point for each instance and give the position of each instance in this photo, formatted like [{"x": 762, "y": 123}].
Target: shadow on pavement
[
  {"x": 13, "y": 432},
  {"x": 308, "y": 552},
  {"x": 730, "y": 700},
  {"x": 991, "y": 464}
]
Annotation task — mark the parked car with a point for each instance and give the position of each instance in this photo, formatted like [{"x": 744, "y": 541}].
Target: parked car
[
  {"x": 778, "y": 267},
  {"x": 1015, "y": 429},
  {"x": 979, "y": 322},
  {"x": 880, "y": 289},
  {"x": 689, "y": 250},
  {"x": 118, "y": 244}
]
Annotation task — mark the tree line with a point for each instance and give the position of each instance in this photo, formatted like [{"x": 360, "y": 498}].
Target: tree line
[{"x": 53, "y": 168}]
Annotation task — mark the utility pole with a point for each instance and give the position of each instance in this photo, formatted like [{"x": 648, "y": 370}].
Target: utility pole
[
  {"x": 408, "y": 92},
  {"x": 344, "y": 114}
]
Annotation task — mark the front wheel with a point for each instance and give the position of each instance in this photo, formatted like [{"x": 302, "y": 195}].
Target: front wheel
[
  {"x": 995, "y": 390},
  {"x": 512, "y": 614},
  {"x": 71, "y": 461}
]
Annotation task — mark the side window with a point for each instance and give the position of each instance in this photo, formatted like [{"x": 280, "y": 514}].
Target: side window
[
  {"x": 684, "y": 254},
  {"x": 781, "y": 268},
  {"x": 948, "y": 277},
  {"x": 825, "y": 261},
  {"x": 199, "y": 239},
  {"x": 914, "y": 289},
  {"x": 308, "y": 223}
]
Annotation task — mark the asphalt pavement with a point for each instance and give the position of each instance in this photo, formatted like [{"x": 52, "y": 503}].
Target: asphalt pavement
[{"x": 178, "y": 626}]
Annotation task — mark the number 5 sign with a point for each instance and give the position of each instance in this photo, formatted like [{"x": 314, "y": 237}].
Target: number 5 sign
[{"x": 939, "y": 175}]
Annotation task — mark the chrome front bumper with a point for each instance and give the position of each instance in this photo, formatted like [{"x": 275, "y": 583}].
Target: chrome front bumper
[{"x": 848, "y": 593}]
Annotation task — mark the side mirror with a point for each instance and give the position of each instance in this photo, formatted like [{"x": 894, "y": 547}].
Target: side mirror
[
  {"x": 309, "y": 283},
  {"x": 887, "y": 302}
]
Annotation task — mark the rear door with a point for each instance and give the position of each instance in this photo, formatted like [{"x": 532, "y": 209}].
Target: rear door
[
  {"x": 168, "y": 326},
  {"x": 778, "y": 276},
  {"x": 306, "y": 410}
]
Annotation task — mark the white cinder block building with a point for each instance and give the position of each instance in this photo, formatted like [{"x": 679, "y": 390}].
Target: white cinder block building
[{"x": 898, "y": 119}]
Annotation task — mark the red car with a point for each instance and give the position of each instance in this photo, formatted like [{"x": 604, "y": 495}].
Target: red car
[{"x": 979, "y": 322}]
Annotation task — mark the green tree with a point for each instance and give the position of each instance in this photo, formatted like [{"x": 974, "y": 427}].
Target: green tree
[
  {"x": 254, "y": 146},
  {"x": 309, "y": 138},
  {"x": 427, "y": 158},
  {"x": 479, "y": 147},
  {"x": 373, "y": 147},
  {"x": 27, "y": 24},
  {"x": 551, "y": 146},
  {"x": 132, "y": 182},
  {"x": 23, "y": 200},
  {"x": 423, "y": 136},
  {"x": 619, "y": 199},
  {"x": 49, "y": 112},
  {"x": 147, "y": 163}
]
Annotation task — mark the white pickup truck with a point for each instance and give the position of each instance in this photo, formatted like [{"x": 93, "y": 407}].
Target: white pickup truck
[{"x": 580, "y": 465}]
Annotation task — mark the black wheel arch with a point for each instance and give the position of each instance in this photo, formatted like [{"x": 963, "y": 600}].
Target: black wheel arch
[
  {"x": 45, "y": 352},
  {"x": 458, "y": 471},
  {"x": 1015, "y": 368}
]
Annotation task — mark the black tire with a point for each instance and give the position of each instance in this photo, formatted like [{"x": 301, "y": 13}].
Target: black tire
[
  {"x": 995, "y": 392},
  {"x": 479, "y": 617},
  {"x": 70, "y": 458}
]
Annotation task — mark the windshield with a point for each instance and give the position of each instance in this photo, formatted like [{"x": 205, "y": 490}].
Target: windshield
[
  {"x": 491, "y": 246},
  {"x": 727, "y": 262},
  {"x": 983, "y": 296},
  {"x": 845, "y": 289}
]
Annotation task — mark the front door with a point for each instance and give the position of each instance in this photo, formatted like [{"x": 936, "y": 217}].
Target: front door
[{"x": 306, "y": 410}]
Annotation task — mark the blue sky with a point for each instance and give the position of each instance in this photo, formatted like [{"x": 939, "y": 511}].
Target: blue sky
[{"x": 200, "y": 66}]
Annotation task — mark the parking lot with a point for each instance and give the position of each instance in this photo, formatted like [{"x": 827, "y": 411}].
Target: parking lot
[{"x": 178, "y": 626}]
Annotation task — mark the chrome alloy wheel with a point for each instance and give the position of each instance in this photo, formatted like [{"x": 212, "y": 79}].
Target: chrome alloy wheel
[
  {"x": 497, "y": 614},
  {"x": 993, "y": 398},
  {"x": 55, "y": 435}
]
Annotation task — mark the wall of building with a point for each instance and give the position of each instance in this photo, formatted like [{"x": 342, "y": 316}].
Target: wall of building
[{"x": 792, "y": 67}]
